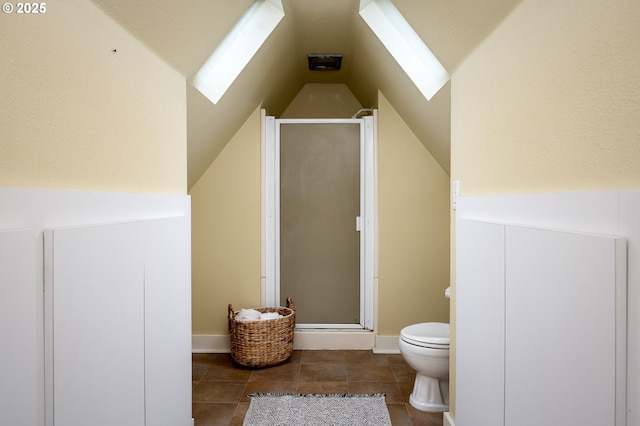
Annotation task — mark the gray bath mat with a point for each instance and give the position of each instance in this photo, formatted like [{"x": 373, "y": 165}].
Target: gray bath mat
[{"x": 268, "y": 409}]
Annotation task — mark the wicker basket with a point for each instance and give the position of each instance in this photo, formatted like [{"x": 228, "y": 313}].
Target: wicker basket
[{"x": 259, "y": 344}]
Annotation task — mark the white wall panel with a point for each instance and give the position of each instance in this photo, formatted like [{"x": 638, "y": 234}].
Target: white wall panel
[
  {"x": 22, "y": 327},
  {"x": 480, "y": 324},
  {"x": 38, "y": 209},
  {"x": 629, "y": 226},
  {"x": 21, "y": 395},
  {"x": 118, "y": 324},
  {"x": 574, "y": 211},
  {"x": 606, "y": 213},
  {"x": 561, "y": 327},
  {"x": 95, "y": 303},
  {"x": 168, "y": 322}
]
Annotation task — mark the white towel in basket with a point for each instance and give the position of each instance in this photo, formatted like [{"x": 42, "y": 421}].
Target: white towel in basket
[{"x": 253, "y": 315}]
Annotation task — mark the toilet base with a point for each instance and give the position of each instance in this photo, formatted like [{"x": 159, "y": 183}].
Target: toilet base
[
  {"x": 430, "y": 394},
  {"x": 427, "y": 406}
]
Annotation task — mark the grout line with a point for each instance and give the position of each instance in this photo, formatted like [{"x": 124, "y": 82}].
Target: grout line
[{"x": 299, "y": 373}]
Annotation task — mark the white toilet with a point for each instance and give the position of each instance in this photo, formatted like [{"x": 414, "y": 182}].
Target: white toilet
[{"x": 425, "y": 347}]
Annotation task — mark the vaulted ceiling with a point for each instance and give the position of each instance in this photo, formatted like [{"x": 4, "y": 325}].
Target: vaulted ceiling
[{"x": 185, "y": 33}]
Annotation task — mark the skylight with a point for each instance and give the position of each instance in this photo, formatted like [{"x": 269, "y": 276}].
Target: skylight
[
  {"x": 408, "y": 49},
  {"x": 238, "y": 47}
]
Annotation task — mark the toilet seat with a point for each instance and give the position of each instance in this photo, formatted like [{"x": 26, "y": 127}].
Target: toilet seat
[{"x": 427, "y": 335}]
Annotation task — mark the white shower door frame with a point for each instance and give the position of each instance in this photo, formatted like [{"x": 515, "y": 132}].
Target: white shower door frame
[{"x": 270, "y": 136}]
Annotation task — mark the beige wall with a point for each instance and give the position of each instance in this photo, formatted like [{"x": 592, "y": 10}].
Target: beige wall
[
  {"x": 319, "y": 100},
  {"x": 316, "y": 100},
  {"x": 414, "y": 226},
  {"x": 225, "y": 221},
  {"x": 550, "y": 102},
  {"x": 76, "y": 114},
  {"x": 413, "y": 203}
]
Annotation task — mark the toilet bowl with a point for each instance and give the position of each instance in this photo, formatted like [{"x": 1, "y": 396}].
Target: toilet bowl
[{"x": 425, "y": 347}]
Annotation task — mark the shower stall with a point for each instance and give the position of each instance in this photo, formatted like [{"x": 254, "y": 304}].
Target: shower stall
[{"x": 319, "y": 177}]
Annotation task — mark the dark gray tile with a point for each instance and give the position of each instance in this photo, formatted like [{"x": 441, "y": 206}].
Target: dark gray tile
[
  {"x": 396, "y": 359},
  {"x": 240, "y": 413},
  {"x": 323, "y": 372},
  {"x": 369, "y": 373},
  {"x": 210, "y": 358},
  {"x": 365, "y": 357},
  {"x": 281, "y": 373},
  {"x": 198, "y": 370},
  {"x": 226, "y": 372},
  {"x": 424, "y": 418},
  {"x": 390, "y": 389},
  {"x": 207, "y": 391},
  {"x": 399, "y": 415},
  {"x": 405, "y": 390},
  {"x": 213, "y": 414},
  {"x": 323, "y": 387},
  {"x": 296, "y": 357},
  {"x": 403, "y": 373},
  {"x": 315, "y": 357}
]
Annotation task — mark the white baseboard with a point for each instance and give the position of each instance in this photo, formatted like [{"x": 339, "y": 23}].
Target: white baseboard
[
  {"x": 210, "y": 344},
  {"x": 447, "y": 419},
  {"x": 386, "y": 345},
  {"x": 302, "y": 340}
]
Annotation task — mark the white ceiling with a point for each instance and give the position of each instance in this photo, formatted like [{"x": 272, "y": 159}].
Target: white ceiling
[{"x": 184, "y": 34}]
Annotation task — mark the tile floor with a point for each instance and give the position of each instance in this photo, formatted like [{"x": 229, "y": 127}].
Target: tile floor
[{"x": 220, "y": 387}]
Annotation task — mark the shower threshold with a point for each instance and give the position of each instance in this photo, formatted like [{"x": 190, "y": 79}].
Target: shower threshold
[{"x": 333, "y": 338}]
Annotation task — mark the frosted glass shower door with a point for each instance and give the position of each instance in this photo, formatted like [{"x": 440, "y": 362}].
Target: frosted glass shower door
[{"x": 320, "y": 201}]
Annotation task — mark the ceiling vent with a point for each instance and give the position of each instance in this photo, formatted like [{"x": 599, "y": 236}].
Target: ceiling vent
[{"x": 325, "y": 62}]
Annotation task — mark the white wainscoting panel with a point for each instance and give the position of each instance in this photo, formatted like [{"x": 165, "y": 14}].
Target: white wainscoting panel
[
  {"x": 94, "y": 301},
  {"x": 602, "y": 212},
  {"x": 629, "y": 226},
  {"x": 118, "y": 323},
  {"x": 21, "y": 395},
  {"x": 168, "y": 322},
  {"x": 22, "y": 306},
  {"x": 562, "y": 321},
  {"x": 480, "y": 323}
]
